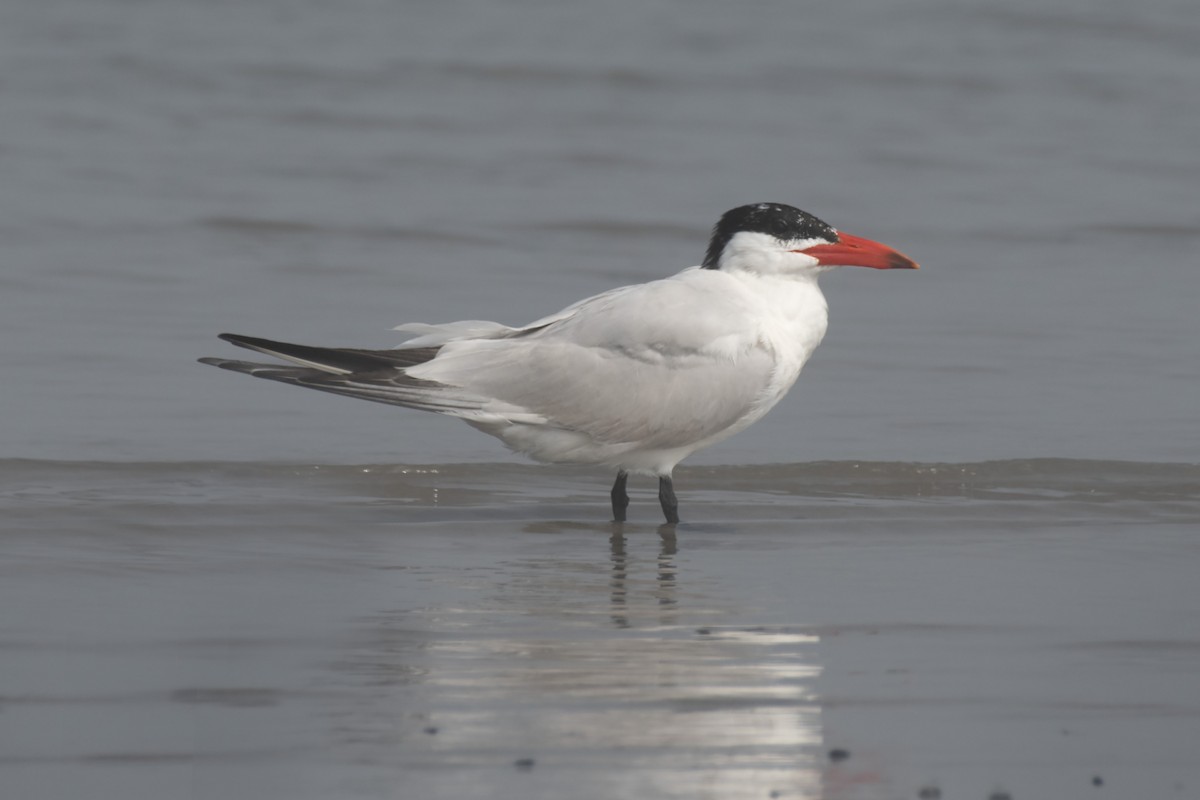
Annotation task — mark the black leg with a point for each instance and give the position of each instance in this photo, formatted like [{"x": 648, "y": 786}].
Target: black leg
[
  {"x": 620, "y": 500},
  {"x": 666, "y": 496}
]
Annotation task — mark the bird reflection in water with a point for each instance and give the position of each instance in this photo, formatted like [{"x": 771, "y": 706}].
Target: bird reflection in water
[
  {"x": 665, "y": 577},
  {"x": 603, "y": 670}
]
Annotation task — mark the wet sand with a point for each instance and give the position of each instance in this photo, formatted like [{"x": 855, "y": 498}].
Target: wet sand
[{"x": 838, "y": 631}]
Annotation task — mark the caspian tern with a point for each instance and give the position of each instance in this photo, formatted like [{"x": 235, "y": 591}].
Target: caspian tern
[{"x": 637, "y": 378}]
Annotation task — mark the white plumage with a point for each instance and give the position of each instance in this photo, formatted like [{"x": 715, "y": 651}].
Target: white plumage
[{"x": 636, "y": 378}]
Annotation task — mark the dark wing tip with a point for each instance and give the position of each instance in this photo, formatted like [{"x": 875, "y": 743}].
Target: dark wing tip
[
  {"x": 334, "y": 359},
  {"x": 250, "y": 342}
]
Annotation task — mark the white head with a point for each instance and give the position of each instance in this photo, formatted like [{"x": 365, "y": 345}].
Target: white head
[{"x": 772, "y": 238}]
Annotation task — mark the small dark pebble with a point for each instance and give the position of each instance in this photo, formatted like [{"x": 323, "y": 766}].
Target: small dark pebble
[
  {"x": 775, "y": 793},
  {"x": 1097, "y": 781},
  {"x": 524, "y": 764},
  {"x": 431, "y": 730},
  {"x": 704, "y": 631},
  {"x": 838, "y": 754},
  {"x": 929, "y": 793}
]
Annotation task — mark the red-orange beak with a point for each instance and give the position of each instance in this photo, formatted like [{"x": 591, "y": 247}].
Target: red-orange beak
[{"x": 852, "y": 251}]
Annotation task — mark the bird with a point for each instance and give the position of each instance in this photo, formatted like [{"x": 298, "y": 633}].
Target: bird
[{"x": 635, "y": 379}]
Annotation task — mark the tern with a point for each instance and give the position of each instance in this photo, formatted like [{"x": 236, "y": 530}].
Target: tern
[{"x": 637, "y": 378}]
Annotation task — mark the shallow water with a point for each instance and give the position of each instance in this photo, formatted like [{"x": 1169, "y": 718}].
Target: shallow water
[
  {"x": 478, "y": 630},
  {"x": 962, "y": 551}
]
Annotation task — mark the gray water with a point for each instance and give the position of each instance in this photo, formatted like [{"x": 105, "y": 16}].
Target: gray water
[{"x": 962, "y": 550}]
